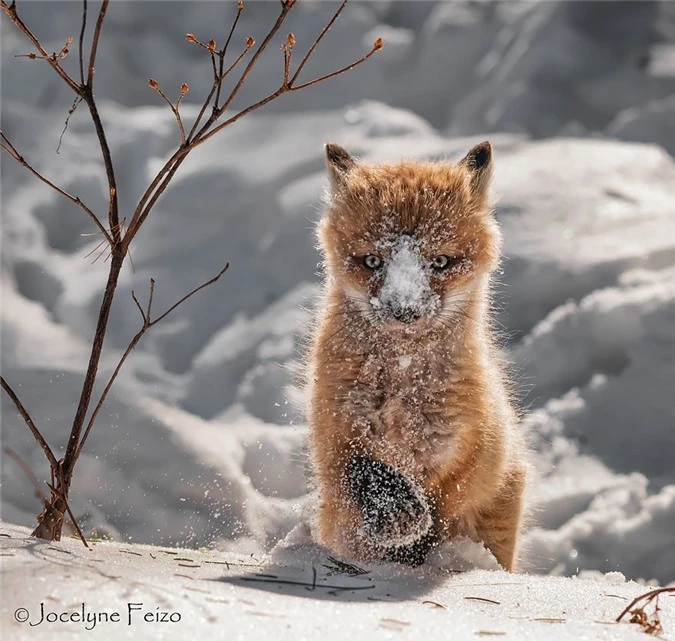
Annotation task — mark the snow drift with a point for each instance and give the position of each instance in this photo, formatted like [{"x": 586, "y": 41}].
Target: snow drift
[{"x": 203, "y": 438}]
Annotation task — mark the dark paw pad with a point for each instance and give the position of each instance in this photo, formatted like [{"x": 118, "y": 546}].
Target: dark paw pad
[
  {"x": 414, "y": 554},
  {"x": 395, "y": 510}
]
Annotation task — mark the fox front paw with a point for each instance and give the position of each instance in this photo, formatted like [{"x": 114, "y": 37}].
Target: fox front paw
[{"x": 395, "y": 510}]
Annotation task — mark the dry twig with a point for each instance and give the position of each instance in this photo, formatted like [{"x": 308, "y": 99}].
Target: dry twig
[
  {"x": 119, "y": 238},
  {"x": 637, "y": 609}
]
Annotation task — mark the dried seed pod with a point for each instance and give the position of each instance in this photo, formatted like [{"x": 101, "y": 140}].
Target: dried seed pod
[
  {"x": 379, "y": 43},
  {"x": 249, "y": 42},
  {"x": 184, "y": 88},
  {"x": 212, "y": 45},
  {"x": 153, "y": 84},
  {"x": 240, "y": 5},
  {"x": 190, "y": 37},
  {"x": 290, "y": 40}
]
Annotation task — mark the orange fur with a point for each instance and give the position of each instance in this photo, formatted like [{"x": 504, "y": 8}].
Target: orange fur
[{"x": 430, "y": 398}]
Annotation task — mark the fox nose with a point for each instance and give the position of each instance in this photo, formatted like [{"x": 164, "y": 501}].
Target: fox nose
[{"x": 405, "y": 314}]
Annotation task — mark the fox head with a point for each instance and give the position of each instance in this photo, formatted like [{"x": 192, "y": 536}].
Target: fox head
[{"x": 407, "y": 244}]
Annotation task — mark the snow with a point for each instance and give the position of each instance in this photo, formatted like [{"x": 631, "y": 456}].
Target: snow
[
  {"x": 203, "y": 439},
  {"x": 296, "y": 592},
  {"x": 406, "y": 279}
]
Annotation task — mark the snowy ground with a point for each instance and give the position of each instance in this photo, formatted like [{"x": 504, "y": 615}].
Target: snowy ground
[
  {"x": 296, "y": 593},
  {"x": 202, "y": 441}
]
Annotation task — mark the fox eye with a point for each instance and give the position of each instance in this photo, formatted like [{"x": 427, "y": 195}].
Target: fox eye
[
  {"x": 372, "y": 261},
  {"x": 441, "y": 262}
]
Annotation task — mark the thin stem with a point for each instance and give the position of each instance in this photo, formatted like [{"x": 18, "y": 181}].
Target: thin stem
[
  {"x": 175, "y": 111},
  {"x": 94, "y": 43},
  {"x": 133, "y": 226},
  {"x": 288, "y": 53},
  {"x": 648, "y": 597},
  {"x": 10, "y": 149},
  {"x": 25, "y": 468},
  {"x": 216, "y": 86},
  {"x": 285, "y": 8},
  {"x": 215, "y": 279},
  {"x": 167, "y": 177},
  {"x": 240, "y": 8},
  {"x": 203, "y": 137},
  {"x": 10, "y": 10},
  {"x": 140, "y": 309},
  {"x": 29, "y": 421},
  {"x": 223, "y": 53},
  {"x": 62, "y": 496},
  {"x": 147, "y": 324},
  {"x": 148, "y": 311},
  {"x": 283, "y": 89},
  {"x": 161, "y": 180},
  {"x": 113, "y": 215},
  {"x": 82, "y": 31},
  {"x": 325, "y": 30},
  {"x": 71, "y": 111},
  {"x": 92, "y": 368},
  {"x": 334, "y": 73}
]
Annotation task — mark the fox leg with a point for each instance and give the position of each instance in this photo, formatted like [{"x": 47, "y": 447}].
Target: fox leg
[
  {"x": 395, "y": 510},
  {"x": 415, "y": 553},
  {"x": 498, "y": 527}
]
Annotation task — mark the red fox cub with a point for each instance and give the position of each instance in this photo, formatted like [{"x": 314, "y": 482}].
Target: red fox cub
[{"x": 414, "y": 438}]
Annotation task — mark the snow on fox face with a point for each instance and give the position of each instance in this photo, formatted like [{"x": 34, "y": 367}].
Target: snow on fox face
[
  {"x": 407, "y": 243},
  {"x": 404, "y": 290}
]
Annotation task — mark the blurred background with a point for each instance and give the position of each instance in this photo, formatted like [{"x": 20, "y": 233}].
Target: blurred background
[{"x": 203, "y": 438}]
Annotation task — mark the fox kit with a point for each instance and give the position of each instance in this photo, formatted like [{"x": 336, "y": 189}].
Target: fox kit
[{"x": 414, "y": 439}]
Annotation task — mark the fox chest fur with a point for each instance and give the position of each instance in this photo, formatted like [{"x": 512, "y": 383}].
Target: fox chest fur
[{"x": 399, "y": 401}]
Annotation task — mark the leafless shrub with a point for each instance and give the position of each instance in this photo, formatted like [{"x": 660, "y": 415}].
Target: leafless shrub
[{"x": 116, "y": 235}]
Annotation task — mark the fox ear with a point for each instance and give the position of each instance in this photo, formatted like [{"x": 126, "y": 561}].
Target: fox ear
[
  {"x": 338, "y": 164},
  {"x": 479, "y": 164}
]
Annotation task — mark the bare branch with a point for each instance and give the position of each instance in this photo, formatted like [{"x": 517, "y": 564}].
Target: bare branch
[
  {"x": 62, "y": 496},
  {"x": 29, "y": 421},
  {"x": 10, "y": 149},
  {"x": 10, "y": 10},
  {"x": 647, "y": 598},
  {"x": 113, "y": 215},
  {"x": 324, "y": 31},
  {"x": 184, "y": 88},
  {"x": 71, "y": 111},
  {"x": 94, "y": 43},
  {"x": 201, "y": 138},
  {"x": 240, "y": 8},
  {"x": 285, "y": 8},
  {"x": 140, "y": 309},
  {"x": 133, "y": 225},
  {"x": 163, "y": 177},
  {"x": 150, "y": 297},
  {"x": 81, "y": 42},
  {"x": 336, "y": 73},
  {"x": 287, "y": 48},
  {"x": 25, "y": 468},
  {"x": 161, "y": 182},
  {"x": 119, "y": 240},
  {"x": 147, "y": 324},
  {"x": 215, "y": 279},
  {"x": 216, "y": 87},
  {"x": 223, "y": 52},
  {"x": 71, "y": 457},
  {"x": 54, "y": 57}
]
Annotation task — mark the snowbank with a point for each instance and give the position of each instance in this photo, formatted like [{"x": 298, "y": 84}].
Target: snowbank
[
  {"x": 170, "y": 593},
  {"x": 202, "y": 440}
]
